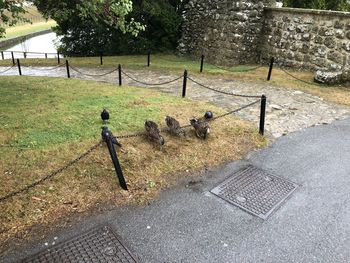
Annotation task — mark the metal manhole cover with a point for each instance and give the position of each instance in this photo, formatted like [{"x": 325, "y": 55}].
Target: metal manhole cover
[
  {"x": 97, "y": 245},
  {"x": 255, "y": 191}
]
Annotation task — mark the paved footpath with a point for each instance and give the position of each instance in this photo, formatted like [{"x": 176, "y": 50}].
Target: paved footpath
[
  {"x": 189, "y": 224},
  {"x": 288, "y": 110}
]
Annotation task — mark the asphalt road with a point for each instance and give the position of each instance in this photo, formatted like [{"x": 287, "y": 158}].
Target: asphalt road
[{"x": 189, "y": 224}]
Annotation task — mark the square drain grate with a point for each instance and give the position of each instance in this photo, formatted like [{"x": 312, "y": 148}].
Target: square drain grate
[
  {"x": 97, "y": 245},
  {"x": 255, "y": 191}
]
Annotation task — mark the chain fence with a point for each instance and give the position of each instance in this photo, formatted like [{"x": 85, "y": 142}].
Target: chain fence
[
  {"x": 151, "y": 84},
  {"x": 139, "y": 134},
  {"x": 94, "y": 147},
  {"x": 52, "y": 174},
  {"x": 92, "y": 75},
  {"x": 6, "y": 70},
  {"x": 301, "y": 80},
  {"x": 223, "y": 92},
  {"x": 236, "y": 71}
]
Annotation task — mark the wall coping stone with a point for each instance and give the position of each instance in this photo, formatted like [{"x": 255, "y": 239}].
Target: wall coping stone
[{"x": 306, "y": 11}]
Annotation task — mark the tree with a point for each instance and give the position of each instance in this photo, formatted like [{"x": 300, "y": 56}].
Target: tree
[
  {"x": 91, "y": 27},
  {"x": 10, "y": 14},
  {"x": 337, "y": 5},
  {"x": 111, "y": 13}
]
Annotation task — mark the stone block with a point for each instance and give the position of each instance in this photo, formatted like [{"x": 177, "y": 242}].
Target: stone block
[
  {"x": 319, "y": 40},
  {"x": 326, "y": 77},
  {"x": 340, "y": 34},
  {"x": 306, "y": 37},
  {"x": 330, "y": 42},
  {"x": 346, "y": 46},
  {"x": 338, "y": 24},
  {"x": 335, "y": 56}
]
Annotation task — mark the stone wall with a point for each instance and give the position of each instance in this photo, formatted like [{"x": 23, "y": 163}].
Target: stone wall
[
  {"x": 251, "y": 31},
  {"x": 307, "y": 39},
  {"x": 225, "y": 31}
]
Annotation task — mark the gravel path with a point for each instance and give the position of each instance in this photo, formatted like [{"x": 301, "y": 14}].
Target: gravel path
[{"x": 288, "y": 110}]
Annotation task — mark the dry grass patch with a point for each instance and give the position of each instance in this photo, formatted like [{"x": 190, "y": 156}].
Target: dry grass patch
[{"x": 33, "y": 108}]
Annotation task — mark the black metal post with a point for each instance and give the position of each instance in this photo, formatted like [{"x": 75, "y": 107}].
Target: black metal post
[
  {"x": 120, "y": 74},
  {"x": 19, "y": 67},
  {"x": 270, "y": 69},
  {"x": 24, "y": 55},
  {"x": 202, "y": 63},
  {"x": 262, "y": 115},
  {"x": 13, "y": 58},
  {"x": 107, "y": 137},
  {"x": 184, "y": 84},
  {"x": 148, "y": 59},
  {"x": 101, "y": 59},
  {"x": 2, "y": 55},
  {"x": 58, "y": 58},
  {"x": 67, "y": 67},
  {"x": 46, "y": 55}
]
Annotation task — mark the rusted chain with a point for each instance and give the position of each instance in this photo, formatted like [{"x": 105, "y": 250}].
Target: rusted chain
[
  {"x": 236, "y": 110},
  {"x": 228, "y": 70},
  {"x": 92, "y": 75},
  {"x": 50, "y": 175},
  {"x": 296, "y": 78},
  {"x": 4, "y": 71},
  {"x": 223, "y": 92},
  {"x": 188, "y": 125},
  {"x": 151, "y": 84}
]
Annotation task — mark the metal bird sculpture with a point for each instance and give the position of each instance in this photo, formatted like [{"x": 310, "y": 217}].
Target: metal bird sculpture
[
  {"x": 208, "y": 115},
  {"x": 174, "y": 126},
  {"x": 104, "y": 115},
  {"x": 153, "y": 132},
  {"x": 201, "y": 127},
  {"x": 107, "y": 134}
]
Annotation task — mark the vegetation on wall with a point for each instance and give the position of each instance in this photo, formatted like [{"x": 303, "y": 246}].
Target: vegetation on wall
[{"x": 337, "y": 5}]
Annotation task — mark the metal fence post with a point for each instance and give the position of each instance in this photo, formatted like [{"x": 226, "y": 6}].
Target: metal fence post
[
  {"x": 46, "y": 55},
  {"x": 13, "y": 58},
  {"x": 101, "y": 59},
  {"x": 148, "y": 59},
  {"x": 2, "y": 55},
  {"x": 120, "y": 74},
  {"x": 58, "y": 58},
  {"x": 107, "y": 136},
  {"x": 270, "y": 69},
  {"x": 184, "y": 86},
  {"x": 262, "y": 115},
  {"x": 67, "y": 67},
  {"x": 19, "y": 67},
  {"x": 202, "y": 63}
]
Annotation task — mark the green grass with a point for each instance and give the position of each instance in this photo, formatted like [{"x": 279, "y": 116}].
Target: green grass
[
  {"x": 168, "y": 62},
  {"x": 52, "y": 112},
  {"x": 158, "y": 61},
  {"x": 46, "y": 122},
  {"x": 26, "y": 29}
]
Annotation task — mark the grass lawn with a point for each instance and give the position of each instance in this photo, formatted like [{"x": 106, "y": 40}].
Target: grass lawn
[
  {"x": 168, "y": 62},
  {"x": 46, "y": 122},
  {"x": 26, "y": 29}
]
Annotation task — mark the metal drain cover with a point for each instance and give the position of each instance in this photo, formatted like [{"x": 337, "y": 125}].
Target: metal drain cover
[
  {"x": 97, "y": 245},
  {"x": 255, "y": 191}
]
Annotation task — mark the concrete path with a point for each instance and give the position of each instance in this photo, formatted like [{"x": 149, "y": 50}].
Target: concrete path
[
  {"x": 189, "y": 224},
  {"x": 288, "y": 110}
]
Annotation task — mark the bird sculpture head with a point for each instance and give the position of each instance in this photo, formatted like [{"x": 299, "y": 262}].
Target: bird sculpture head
[{"x": 208, "y": 115}]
